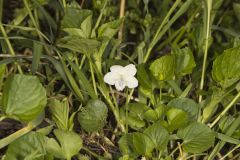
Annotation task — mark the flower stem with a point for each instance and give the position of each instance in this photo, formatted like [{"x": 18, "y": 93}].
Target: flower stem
[
  {"x": 126, "y": 104},
  {"x": 225, "y": 110},
  {"x": 5, "y": 141},
  {"x": 208, "y": 34}
]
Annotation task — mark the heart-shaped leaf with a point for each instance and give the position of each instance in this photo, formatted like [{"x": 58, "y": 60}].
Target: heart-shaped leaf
[
  {"x": 186, "y": 104},
  {"x": 226, "y": 68},
  {"x": 197, "y": 137},
  {"x": 30, "y": 146},
  {"x": 158, "y": 134},
  {"x": 93, "y": 116},
  {"x": 69, "y": 144},
  {"x": 24, "y": 97},
  {"x": 163, "y": 68}
]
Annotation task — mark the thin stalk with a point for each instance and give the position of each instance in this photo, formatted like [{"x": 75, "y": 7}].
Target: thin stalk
[
  {"x": 155, "y": 38},
  {"x": 114, "y": 109},
  {"x": 172, "y": 153},
  {"x": 92, "y": 153},
  {"x": 121, "y": 15},
  {"x": 11, "y": 50},
  {"x": 225, "y": 110},
  {"x": 236, "y": 147},
  {"x": 127, "y": 101},
  {"x": 93, "y": 78},
  {"x": 99, "y": 19},
  {"x": 208, "y": 34},
  {"x": 5, "y": 141},
  {"x": 35, "y": 23},
  {"x": 2, "y": 118}
]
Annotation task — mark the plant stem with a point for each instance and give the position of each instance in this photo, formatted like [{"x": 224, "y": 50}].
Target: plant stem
[
  {"x": 208, "y": 34},
  {"x": 99, "y": 19},
  {"x": 11, "y": 50},
  {"x": 126, "y": 104},
  {"x": 121, "y": 15},
  {"x": 225, "y": 110},
  {"x": 7, "y": 140},
  {"x": 2, "y": 118},
  {"x": 92, "y": 153},
  {"x": 155, "y": 38},
  {"x": 236, "y": 147},
  {"x": 93, "y": 78}
]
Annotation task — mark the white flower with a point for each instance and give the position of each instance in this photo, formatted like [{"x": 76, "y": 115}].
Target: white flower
[{"x": 122, "y": 76}]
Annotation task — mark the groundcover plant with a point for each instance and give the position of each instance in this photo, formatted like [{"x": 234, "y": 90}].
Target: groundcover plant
[{"x": 119, "y": 79}]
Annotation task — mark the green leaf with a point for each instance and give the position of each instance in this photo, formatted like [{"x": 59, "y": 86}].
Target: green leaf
[
  {"x": 135, "y": 114},
  {"x": 2, "y": 73},
  {"x": 37, "y": 52},
  {"x": 126, "y": 145},
  {"x": 93, "y": 116},
  {"x": 69, "y": 144},
  {"x": 82, "y": 45},
  {"x": 24, "y": 97},
  {"x": 163, "y": 68},
  {"x": 84, "y": 82},
  {"x": 109, "y": 29},
  {"x": 59, "y": 111},
  {"x": 150, "y": 115},
  {"x": 177, "y": 118},
  {"x": 70, "y": 20},
  {"x": 142, "y": 144},
  {"x": 28, "y": 147},
  {"x": 158, "y": 134},
  {"x": 143, "y": 77},
  {"x": 187, "y": 105},
  {"x": 184, "y": 61},
  {"x": 196, "y": 137},
  {"x": 226, "y": 67},
  {"x": 85, "y": 28}
]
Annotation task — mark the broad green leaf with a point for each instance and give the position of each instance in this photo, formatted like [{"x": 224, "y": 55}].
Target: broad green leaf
[
  {"x": 142, "y": 144},
  {"x": 59, "y": 112},
  {"x": 184, "y": 61},
  {"x": 187, "y": 105},
  {"x": 82, "y": 45},
  {"x": 196, "y": 137},
  {"x": 226, "y": 67},
  {"x": 143, "y": 77},
  {"x": 24, "y": 97},
  {"x": 69, "y": 144},
  {"x": 93, "y": 116},
  {"x": 70, "y": 20},
  {"x": 126, "y": 145},
  {"x": 137, "y": 109},
  {"x": 150, "y": 115},
  {"x": 85, "y": 28},
  {"x": 158, "y": 134},
  {"x": 135, "y": 115},
  {"x": 28, "y": 147},
  {"x": 109, "y": 29},
  {"x": 177, "y": 118},
  {"x": 163, "y": 68}
]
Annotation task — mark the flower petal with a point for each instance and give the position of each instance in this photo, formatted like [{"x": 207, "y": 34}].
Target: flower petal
[
  {"x": 117, "y": 68},
  {"x": 131, "y": 81},
  {"x": 130, "y": 69},
  {"x": 110, "y": 78},
  {"x": 120, "y": 85}
]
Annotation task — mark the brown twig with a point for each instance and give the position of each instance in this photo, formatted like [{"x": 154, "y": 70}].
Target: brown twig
[{"x": 121, "y": 14}]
